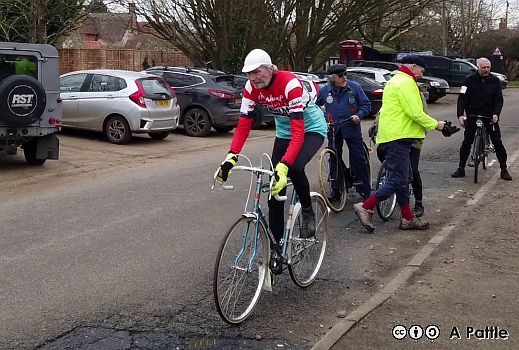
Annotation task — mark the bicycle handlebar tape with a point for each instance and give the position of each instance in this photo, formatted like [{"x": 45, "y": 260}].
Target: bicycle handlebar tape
[{"x": 449, "y": 129}]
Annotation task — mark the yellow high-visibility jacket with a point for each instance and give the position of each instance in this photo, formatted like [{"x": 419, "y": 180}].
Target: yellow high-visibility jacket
[{"x": 402, "y": 115}]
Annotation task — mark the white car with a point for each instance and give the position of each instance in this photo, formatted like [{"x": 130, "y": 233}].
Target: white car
[
  {"x": 310, "y": 83},
  {"x": 119, "y": 103},
  {"x": 380, "y": 75}
]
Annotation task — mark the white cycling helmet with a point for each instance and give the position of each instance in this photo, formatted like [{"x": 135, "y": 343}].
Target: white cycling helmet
[{"x": 255, "y": 59}]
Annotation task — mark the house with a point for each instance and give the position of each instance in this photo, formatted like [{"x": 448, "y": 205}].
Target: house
[{"x": 115, "y": 31}]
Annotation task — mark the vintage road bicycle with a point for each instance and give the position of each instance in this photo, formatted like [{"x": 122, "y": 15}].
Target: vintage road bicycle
[
  {"x": 334, "y": 175},
  {"x": 248, "y": 258}
]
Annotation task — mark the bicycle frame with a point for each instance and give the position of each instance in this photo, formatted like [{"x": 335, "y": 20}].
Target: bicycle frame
[{"x": 257, "y": 213}]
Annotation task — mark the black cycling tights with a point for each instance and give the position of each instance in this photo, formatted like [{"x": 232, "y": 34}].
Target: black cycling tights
[{"x": 312, "y": 143}]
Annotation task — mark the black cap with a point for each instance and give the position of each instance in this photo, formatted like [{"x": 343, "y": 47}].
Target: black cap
[
  {"x": 336, "y": 69},
  {"x": 414, "y": 59}
]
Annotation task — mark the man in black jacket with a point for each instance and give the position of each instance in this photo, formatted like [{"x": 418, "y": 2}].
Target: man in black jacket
[{"x": 481, "y": 95}]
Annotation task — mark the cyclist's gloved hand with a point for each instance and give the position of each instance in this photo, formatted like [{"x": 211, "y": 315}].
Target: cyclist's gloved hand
[
  {"x": 225, "y": 169},
  {"x": 449, "y": 129},
  {"x": 281, "y": 173}
]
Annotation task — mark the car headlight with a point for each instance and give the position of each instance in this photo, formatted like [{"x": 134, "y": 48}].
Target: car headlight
[{"x": 435, "y": 83}]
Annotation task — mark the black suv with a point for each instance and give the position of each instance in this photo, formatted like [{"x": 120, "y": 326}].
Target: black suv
[
  {"x": 437, "y": 87},
  {"x": 30, "y": 104},
  {"x": 207, "y": 98}
]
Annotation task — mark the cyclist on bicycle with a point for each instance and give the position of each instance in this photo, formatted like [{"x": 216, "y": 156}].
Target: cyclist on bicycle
[
  {"x": 481, "y": 95},
  {"x": 402, "y": 120},
  {"x": 346, "y": 103},
  {"x": 300, "y": 131}
]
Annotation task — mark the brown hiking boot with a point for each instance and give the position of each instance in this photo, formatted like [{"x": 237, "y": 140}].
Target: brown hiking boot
[
  {"x": 365, "y": 216},
  {"x": 414, "y": 224}
]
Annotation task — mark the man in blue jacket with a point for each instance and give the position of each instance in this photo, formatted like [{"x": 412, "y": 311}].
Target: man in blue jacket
[{"x": 346, "y": 104}]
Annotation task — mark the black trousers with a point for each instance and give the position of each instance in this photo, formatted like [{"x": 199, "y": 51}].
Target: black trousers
[
  {"x": 312, "y": 143},
  {"x": 495, "y": 135}
]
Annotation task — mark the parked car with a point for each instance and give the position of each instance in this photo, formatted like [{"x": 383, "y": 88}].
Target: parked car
[
  {"x": 118, "y": 103},
  {"x": 207, "y": 98},
  {"x": 454, "y": 71},
  {"x": 371, "y": 88},
  {"x": 309, "y": 81},
  {"x": 436, "y": 87},
  {"x": 30, "y": 108}
]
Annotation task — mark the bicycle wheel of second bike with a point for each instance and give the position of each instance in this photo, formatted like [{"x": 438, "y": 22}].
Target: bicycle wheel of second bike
[
  {"x": 306, "y": 255},
  {"x": 384, "y": 208},
  {"x": 240, "y": 270},
  {"x": 336, "y": 177}
]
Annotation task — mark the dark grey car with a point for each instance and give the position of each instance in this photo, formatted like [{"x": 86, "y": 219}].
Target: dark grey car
[{"x": 207, "y": 98}]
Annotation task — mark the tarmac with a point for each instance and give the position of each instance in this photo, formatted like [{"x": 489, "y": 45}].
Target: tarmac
[{"x": 460, "y": 291}]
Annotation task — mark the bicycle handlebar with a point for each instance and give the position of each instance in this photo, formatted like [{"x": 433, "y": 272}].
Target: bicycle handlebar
[{"x": 269, "y": 173}]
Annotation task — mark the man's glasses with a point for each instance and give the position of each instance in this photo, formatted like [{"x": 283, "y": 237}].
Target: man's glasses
[{"x": 341, "y": 75}]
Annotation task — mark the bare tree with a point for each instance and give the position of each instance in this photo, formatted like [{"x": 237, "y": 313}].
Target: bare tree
[{"x": 41, "y": 21}]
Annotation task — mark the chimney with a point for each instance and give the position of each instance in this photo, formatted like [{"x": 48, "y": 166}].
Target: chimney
[{"x": 133, "y": 18}]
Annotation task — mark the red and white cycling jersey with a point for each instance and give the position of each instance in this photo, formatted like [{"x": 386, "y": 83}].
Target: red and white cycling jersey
[{"x": 286, "y": 95}]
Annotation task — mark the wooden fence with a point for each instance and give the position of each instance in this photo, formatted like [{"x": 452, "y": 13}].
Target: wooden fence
[{"x": 134, "y": 60}]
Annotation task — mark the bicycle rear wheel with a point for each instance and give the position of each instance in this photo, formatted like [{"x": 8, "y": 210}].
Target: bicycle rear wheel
[
  {"x": 332, "y": 180},
  {"x": 477, "y": 152},
  {"x": 240, "y": 270},
  {"x": 366, "y": 152},
  {"x": 306, "y": 255},
  {"x": 386, "y": 207}
]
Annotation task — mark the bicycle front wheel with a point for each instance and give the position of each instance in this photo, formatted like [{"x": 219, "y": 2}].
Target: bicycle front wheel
[
  {"x": 240, "y": 270},
  {"x": 331, "y": 180},
  {"x": 306, "y": 255},
  {"x": 386, "y": 207}
]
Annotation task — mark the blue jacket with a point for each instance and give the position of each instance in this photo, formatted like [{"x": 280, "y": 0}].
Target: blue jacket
[{"x": 346, "y": 101}]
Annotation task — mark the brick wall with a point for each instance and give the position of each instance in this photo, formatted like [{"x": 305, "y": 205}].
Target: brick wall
[{"x": 79, "y": 59}]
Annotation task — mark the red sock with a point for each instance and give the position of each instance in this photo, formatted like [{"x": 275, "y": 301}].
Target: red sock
[
  {"x": 406, "y": 211},
  {"x": 370, "y": 203}
]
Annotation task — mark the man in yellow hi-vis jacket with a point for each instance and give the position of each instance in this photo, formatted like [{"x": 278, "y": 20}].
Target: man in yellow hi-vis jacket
[{"x": 402, "y": 121}]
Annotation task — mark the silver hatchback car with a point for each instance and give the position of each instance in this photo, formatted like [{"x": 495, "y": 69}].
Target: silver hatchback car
[{"x": 119, "y": 103}]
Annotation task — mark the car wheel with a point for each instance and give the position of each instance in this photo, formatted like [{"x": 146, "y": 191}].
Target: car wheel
[
  {"x": 161, "y": 135},
  {"x": 22, "y": 100},
  {"x": 118, "y": 130},
  {"x": 223, "y": 129},
  {"x": 29, "y": 150},
  {"x": 196, "y": 122},
  {"x": 432, "y": 99}
]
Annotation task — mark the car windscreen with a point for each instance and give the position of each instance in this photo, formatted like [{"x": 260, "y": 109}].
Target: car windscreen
[{"x": 155, "y": 87}]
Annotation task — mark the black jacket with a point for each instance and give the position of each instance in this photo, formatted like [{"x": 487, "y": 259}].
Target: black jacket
[{"x": 483, "y": 96}]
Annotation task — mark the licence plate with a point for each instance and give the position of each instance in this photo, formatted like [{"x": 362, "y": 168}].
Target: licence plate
[
  {"x": 237, "y": 101},
  {"x": 164, "y": 103}
]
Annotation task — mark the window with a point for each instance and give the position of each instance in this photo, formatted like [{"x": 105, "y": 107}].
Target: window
[
  {"x": 154, "y": 86},
  {"x": 182, "y": 80},
  {"x": 72, "y": 83},
  {"x": 18, "y": 64},
  {"x": 106, "y": 83}
]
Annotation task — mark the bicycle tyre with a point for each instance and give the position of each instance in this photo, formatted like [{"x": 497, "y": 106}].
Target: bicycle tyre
[
  {"x": 234, "y": 298},
  {"x": 477, "y": 157},
  {"x": 326, "y": 157},
  {"x": 385, "y": 208},
  {"x": 306, "y": 255},
  {"x": 366, "y": 151}
]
